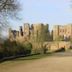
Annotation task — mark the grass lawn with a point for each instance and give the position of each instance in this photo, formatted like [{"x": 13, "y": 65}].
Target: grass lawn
[
  {"x": 27, "y": 58},
  {"x": 22, "y": 60},
  {"x": 33, "y": 57}
]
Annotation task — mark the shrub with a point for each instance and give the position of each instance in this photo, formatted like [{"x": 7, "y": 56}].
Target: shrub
[
  {"x": 27, "y": 48},
  {"x": 15, "y": 49}
]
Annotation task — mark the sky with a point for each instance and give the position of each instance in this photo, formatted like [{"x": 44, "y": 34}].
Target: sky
[{"x": 52, "y": 12}]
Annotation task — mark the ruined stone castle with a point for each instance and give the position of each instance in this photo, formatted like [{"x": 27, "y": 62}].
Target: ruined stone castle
[
  {"x": 30, "y": 32},
  {"x": 39, "y": 34}
]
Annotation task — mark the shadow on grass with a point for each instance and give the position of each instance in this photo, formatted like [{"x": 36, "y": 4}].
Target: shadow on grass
[
  {"x": 32, "y": 57},
  {"x": 22, "y": 57}
]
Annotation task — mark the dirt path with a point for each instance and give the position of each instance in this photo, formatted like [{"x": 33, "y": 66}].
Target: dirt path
[{"x": 49, "y": 64}]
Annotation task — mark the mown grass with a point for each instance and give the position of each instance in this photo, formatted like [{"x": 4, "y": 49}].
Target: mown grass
[
  {"x": 27, "y": 58},
  {"x": 22, "y": 60},
  {"x": 33, "y": 57}
]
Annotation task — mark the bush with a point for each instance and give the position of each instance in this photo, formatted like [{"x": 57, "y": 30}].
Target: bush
[
  {"x": 15, "y": 49},
  {"x": 1, "y": 52},
  {"x": 9, "y": 48},
  {"x": 27, "y": 48}
]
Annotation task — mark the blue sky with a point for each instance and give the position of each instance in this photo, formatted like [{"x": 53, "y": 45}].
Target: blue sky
[{"x": 53, "y": 12}]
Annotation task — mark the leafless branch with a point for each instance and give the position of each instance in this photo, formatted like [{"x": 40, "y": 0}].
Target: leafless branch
[{"x": 8, "y": 9}]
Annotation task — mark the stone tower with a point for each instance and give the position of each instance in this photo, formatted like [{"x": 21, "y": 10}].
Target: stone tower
[
  {"x": 46, "y": 32},
  {"x": 69, "y": 31},
  {"x": 26, "y": 30},
  {"x": 13, "y": 34},
  {"x": 40, "y": 32},
  {"x": 55, "y": 32}
]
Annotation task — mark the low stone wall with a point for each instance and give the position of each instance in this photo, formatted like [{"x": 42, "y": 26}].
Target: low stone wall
[{"x": 52, "y": 46}]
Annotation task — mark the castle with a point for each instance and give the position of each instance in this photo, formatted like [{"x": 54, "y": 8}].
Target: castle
[
  {"x": 64, "y": 32},
  {"x": 29, "y": 32},
  {"x": 40, "y": 33}
]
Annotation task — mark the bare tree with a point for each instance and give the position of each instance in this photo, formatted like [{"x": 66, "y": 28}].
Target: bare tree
[{"x": 8, "y": 9}]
